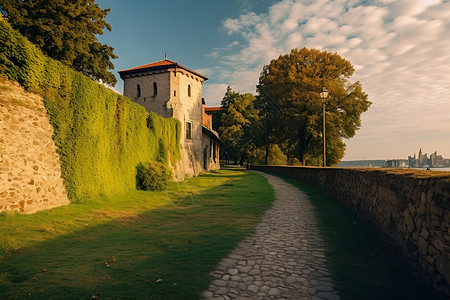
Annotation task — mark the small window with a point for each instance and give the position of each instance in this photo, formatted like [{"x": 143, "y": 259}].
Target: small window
[
  {"x": 188, "y": 130},
  {"x": 155, "y": 89},
  {"x": 174, "y": 93},
  {"x": 189, "y": 90},
  {"x": 138, "y": 90}
]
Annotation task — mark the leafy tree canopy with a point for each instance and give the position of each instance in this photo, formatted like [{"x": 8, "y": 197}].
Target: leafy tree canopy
[
  {"x": 289, "y": 90},
  {"x": 66, "y": 31},
  {"x": 238, "y": 123}
]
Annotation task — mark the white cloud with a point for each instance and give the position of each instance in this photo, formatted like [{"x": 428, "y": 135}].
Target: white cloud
[
  {"x": 400, "y": 49},
  {"x": 213, "y": 93},
  {"x": 232, "y": 25},
  {"x": 206, "y": 72},
  {"x": 315, "y": 25},
  {"x": 411, "y": 7}
]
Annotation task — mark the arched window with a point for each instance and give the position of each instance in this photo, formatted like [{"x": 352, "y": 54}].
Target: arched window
[
  {"x": 155, "y": 89},
  {"x": 189, "y": 90},
  {"x": 138, "y": 90}
]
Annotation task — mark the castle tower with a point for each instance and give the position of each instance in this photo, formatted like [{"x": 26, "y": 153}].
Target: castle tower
[{"x": 172, "y": 90}]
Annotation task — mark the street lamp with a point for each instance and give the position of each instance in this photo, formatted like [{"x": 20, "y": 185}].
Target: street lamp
[{"x": 323, "y": 95}]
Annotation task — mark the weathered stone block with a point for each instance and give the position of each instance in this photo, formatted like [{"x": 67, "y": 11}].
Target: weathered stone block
[
  {"x": 442, "y": 264},
  {"x": 438, "y": 244},
  {"x": 421, "y": 209},
  {"x": 439, "y": 211}
]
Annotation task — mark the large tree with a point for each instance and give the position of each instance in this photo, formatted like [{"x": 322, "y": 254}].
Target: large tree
[
  {"x": 239, "y": 124},
  {"x": 291, "y": 84},
  {"x": 66, "y": 31}
]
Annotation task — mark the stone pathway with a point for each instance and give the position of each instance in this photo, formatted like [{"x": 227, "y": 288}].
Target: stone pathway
[{"x": 283, "y": 259}]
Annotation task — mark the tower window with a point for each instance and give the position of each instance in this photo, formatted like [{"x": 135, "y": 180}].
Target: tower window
[
  {"x": 155, "y": 89},
  {"x": 188, "y": 130},
  {"x": 138, "y": 90},
  {"x": 189, "y": 90}
]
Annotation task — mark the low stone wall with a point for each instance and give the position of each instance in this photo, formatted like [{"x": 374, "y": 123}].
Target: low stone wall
[
  {"x": 30, "y": 172},
  {"x": 410, "y": 206}
]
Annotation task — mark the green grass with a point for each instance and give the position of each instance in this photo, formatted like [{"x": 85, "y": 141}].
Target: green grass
[
  {"x": 361, "y": 262},
  {"x": 139, "y": 245}
]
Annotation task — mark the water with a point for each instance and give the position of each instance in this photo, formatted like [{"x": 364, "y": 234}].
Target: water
[{"x": 434, "y": 169}]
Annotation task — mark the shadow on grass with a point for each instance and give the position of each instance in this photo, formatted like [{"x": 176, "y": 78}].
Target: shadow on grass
[
  {"x": 362, "y": 263},
  {"x": 165, "y": 253}
]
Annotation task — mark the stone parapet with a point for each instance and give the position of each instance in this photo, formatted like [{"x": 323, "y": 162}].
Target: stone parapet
[
  {"x": 411, "y": 207},
  {"x": 30, "y": 171}
]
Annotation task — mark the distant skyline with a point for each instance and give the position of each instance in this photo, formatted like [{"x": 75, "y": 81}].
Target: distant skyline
[
  {"x": 412, "y": 154},
  {"x": 400, "y": 50}
]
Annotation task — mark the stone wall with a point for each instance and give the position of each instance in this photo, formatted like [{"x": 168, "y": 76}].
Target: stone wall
[
  {"x": 30, "y": 172},
  {"x": 411, "y": 207}
]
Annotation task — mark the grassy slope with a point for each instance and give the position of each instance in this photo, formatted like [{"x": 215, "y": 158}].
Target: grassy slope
[
  {"x": 118, "y": 247},
  {"x": 361, "y": 262}
]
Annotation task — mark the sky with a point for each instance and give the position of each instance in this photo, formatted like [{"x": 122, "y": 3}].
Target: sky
[{"x": 400, "y": 50}]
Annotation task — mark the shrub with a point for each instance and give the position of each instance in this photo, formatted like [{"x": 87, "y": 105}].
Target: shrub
[{"x": 152, "y": 176}]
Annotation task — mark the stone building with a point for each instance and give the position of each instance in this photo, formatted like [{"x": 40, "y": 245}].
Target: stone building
[{"x": 172, "y": 90}]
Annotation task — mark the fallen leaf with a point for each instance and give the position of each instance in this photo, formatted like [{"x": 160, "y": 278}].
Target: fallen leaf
[
  {"x": 158, "y": 280},
  {"x": 174, "y": 284},
  {"x": 94, "y": 297},
  {"x": 44, "y": 270}
]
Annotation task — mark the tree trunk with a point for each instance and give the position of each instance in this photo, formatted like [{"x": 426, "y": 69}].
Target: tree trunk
[
  {"x": 267, "y": 155},
  {"x": 303, "y": 144},
  {"x": 241, "y": 162},
  {"x": 303, "y": 158}
]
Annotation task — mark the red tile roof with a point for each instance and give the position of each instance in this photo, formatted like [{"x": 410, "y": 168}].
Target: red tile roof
[
  {"x": 162, "y": 64},
  {"x": 213, "y": 109}
]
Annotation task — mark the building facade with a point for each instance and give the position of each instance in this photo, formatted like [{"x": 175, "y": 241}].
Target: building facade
[{"x": 172, "y": 90}]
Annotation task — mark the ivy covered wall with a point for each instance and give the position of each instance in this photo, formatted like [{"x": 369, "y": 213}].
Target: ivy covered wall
[{"x": 101, "y": 136}]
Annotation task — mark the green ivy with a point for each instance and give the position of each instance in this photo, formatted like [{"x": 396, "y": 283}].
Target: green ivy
[{"x": 101, "y": 136}]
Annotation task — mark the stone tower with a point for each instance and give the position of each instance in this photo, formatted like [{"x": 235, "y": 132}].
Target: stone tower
[{"x": 171, "y": 90}]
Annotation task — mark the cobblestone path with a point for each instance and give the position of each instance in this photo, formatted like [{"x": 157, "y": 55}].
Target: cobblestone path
[{"x": 283, "y": 259}]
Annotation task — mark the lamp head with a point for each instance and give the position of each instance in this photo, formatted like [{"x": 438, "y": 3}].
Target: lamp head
[{"x": 324, "y": 93}]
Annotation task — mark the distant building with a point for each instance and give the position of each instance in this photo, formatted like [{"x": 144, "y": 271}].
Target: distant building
[
  {"x": 423, "y": 161},
  {"x": 172, "y": 90},
  {"x": 437, "y": 160},
  {"x": 396, "y": 163}
]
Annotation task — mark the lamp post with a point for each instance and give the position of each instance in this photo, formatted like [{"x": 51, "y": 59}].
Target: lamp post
[{"x": 323, "y": 95}]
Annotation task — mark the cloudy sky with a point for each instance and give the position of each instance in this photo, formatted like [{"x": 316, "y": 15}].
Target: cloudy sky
[{"x": 400, "y": 51}]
